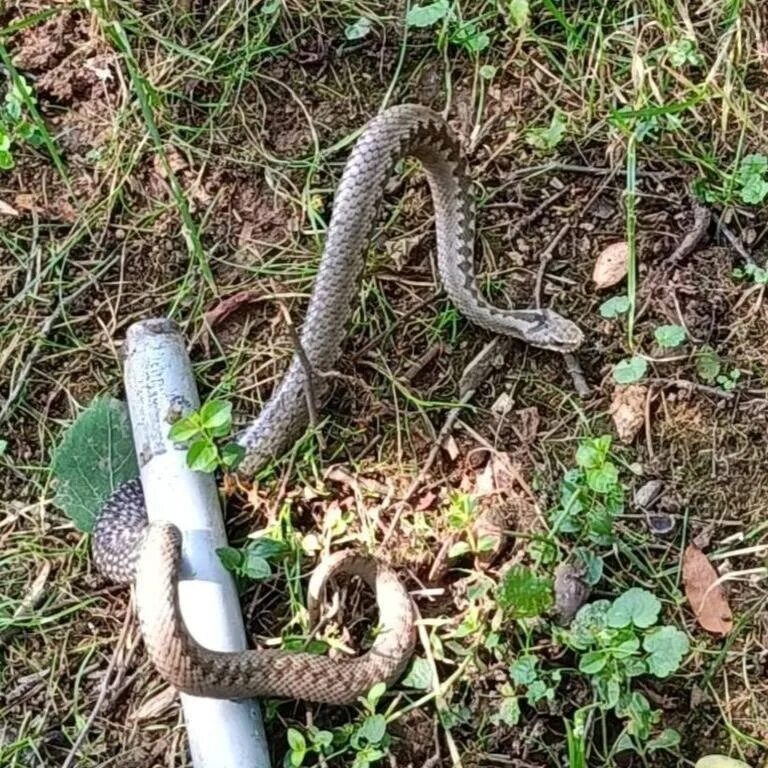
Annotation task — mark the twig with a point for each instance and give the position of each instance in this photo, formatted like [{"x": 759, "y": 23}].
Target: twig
[
  {"x": 694, "y": 385},
  {"x": 701, "y": 218},
  {"x": 536, "y": 212},
  {"x": 102, "y": 690},
  {"x": 309, "y": 390},
  {"x": 573, "y": 367},
  {"x": 546, "y": 257},
  {"x": 733, "y": 240}
]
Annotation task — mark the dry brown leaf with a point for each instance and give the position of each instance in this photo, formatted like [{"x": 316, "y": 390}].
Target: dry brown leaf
[
  {"x": 7, "y": 210},
  {"x": 628, "y": 410},
  {"x": 611, "y": 265},
  {"x": 705, "y": 595}
]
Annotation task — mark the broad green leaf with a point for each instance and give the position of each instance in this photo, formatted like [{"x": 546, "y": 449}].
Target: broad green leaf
[
  {"x": 6, "y": 160},
  {"x": 602, "y": 479},
  {"x": 630, "y": 370},
  {"x": 376, "y": 692},
  {"x": 635, "y": 606},
  {"x": 231, "y": 558},
  {"x": 593, "y": 662},
  {"x": 373, "y": 729},
  {"x": 419, "y": 675},
  {"x": 615, "y": 306},
  {"x": 509, "y": 711},
  {"x": 359, "y": 29},
  {"x": 255, "y": 567},
  {"x": 427, "y": 15},
  {"x": 94, "y": 457},
  {"x": 458, "y": 549},
  {"x": 522, "y": 594},
  {"x": 202, "y": 456},
  {"x": 270, "y": 549},
  {"x": 752, "y": 179},
  {"x": 216, "y": 414},
  {"x": 720, "y": 761},
  {"x": 667, "y": 647},
  {"x": 185, "y": 429},
  {"x": 667, "y": 739},
  {"x": 592, "y": 452},
  {"x": 231, "y": 455},
  {"x": 669, "y": 336}
]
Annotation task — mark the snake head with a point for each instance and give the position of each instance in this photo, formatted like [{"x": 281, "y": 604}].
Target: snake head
[{"x": 548, "y": 330}]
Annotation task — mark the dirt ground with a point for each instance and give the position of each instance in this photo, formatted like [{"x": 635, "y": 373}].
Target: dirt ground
[{"x": 200, "y": 153}]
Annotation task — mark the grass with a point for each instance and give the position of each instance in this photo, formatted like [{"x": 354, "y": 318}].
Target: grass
[{"x": 189, "y": 153}]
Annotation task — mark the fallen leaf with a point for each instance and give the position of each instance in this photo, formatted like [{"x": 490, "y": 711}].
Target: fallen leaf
[
  {"x": 222, "y": 310},
  {"x": 7, "y": 210},
  {"x": 611, "y": 265},
  {"x": 628, "y": 410},
  {"x": 225, "y": 307},
  {"x": 705, "y": 595}
]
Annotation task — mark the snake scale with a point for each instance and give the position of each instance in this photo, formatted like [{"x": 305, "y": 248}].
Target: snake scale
[{"x": 128, "y": 549}]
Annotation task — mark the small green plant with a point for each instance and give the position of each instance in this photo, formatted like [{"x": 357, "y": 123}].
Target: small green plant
[
  {"x": 15, "y": 127},
  {"x": 201, "y": 431},
  {"x": 752, "y": 272},
  {"x": 591, "y": 494},
  {"x": 752, "y": 179},
  {"x": 615, "y": 306},
  {"x": 523, "y": 594},
  {"x": 670, "y": 336},
  {"x": 254, "y": 560},
  {"x": 548, "y": 138},
  {"x": 630, "y": 370},
  {"x": 617, "y": 641},
  {"x": 461, "y": 516},
  {"x": 748, "y": 184},
  {"x": 730, "y": 380},
  {"x": 463, "y": 33},
  {"x": 368, "y": 741},
  {"x": 708, "y": 364},
  {"x": 683, "y": 52}
]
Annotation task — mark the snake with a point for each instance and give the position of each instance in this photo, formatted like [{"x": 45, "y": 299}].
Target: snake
[{"x": 129, "y": 549}]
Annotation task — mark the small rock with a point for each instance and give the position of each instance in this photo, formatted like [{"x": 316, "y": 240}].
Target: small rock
[
  {"x": 648, "y": 494},
  {"x": 571, "y": 591}
]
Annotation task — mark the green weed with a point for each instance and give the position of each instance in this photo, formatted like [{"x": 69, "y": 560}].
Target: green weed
[{"x": 201, "y": 431}]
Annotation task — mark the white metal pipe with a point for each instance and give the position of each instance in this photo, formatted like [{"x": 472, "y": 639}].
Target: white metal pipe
[{"x": 160, "y": 387}]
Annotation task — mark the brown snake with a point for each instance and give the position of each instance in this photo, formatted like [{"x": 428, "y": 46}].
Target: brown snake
[{"x": 126, "y": 548}]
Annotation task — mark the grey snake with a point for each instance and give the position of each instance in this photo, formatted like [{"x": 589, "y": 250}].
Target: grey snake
[{"x": 128, "y": 549}]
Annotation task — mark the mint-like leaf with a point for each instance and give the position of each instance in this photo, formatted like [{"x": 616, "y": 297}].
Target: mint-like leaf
[{"x": 94, "y": 457}]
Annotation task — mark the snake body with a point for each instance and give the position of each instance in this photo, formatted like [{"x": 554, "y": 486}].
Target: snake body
[{"x": 128, "y": 549}]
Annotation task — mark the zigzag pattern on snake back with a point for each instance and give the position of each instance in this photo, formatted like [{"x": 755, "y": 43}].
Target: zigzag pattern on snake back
[{"x": 127, "y": 549}]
